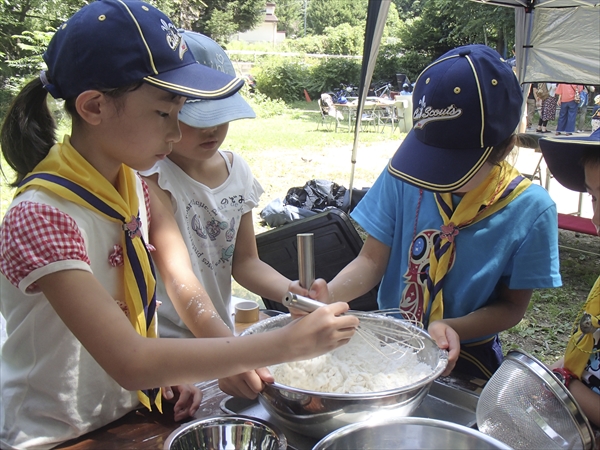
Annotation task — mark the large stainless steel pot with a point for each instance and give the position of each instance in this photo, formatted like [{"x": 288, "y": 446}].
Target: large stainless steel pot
[
  {"x": 317, "y": 414},
  {"x": 408, "y": 433}
]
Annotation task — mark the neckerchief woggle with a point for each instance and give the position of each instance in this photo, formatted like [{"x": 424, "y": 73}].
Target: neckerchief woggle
[
  {"x": 581, "y": 343},
  {"x": 502, "y": 185},
  {"x": 68, "y": 174}
]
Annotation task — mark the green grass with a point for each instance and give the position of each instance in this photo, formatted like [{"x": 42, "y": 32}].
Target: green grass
[{"x": 296, "y": 128}]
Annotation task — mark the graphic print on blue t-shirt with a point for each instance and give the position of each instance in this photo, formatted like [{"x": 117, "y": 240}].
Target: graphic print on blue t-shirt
[{"x": 415, "y": 277}]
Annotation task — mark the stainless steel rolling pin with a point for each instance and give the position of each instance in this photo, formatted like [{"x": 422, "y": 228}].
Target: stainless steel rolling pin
[
  {"x": 306, "y": 259},
  {"x": 305, "y": 304}
]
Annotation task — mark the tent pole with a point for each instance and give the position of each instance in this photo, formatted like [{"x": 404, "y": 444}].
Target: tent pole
[{"x": 376, "y": 17}]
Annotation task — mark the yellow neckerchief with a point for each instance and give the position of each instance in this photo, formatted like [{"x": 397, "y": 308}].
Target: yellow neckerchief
[
  {"x": 581, "y": 343},
  {"x": 65, "y": 172},
  {"x": 502, "y": 185}
]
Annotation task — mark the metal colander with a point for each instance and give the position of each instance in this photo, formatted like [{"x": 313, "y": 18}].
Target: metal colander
[{"x": 525, "y": 406}]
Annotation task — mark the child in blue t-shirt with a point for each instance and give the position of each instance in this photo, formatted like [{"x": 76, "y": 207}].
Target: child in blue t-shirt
[{"x": 456, "y": 236}]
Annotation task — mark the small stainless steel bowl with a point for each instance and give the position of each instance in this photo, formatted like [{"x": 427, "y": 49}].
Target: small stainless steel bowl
[
  {"x": 227, "y": 432},
  {"x": 408, "y": 433},
  {"x": 317, "y": 414}
]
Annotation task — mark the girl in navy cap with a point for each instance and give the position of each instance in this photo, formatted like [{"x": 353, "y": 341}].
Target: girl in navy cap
[
  {"x": 575, "y": 163},
  {"x": 456, "y": 236},
  {"x": 78, "y": 284}
]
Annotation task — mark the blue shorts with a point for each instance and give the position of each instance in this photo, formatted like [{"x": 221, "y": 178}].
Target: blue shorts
[{"x": 480, "y": 359}]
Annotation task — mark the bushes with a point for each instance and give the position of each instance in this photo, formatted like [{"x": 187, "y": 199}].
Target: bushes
[
  {"x": 283, "y": 79},
  {"x": 286, "y": 79},
  {"x": 264, "y": 107},
  {"x": 328, "y": 74}
]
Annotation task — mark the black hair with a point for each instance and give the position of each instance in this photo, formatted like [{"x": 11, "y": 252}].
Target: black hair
[
  {"x": 29, "y": 129},
  {"x": 590, "y": 156},
  {"x": 498, "y": 153}
]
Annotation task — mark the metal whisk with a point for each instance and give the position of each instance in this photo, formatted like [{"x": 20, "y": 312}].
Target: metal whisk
[{"x": 390, "y": 341}]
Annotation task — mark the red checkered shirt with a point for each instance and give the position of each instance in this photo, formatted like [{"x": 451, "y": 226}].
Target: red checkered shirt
[{"x": 34, "y": 235}]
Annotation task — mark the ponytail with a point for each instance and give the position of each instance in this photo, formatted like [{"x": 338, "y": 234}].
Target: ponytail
[
  {"x": 501, "y": 150},
  {"x": 527, "y": 140},
  {"x": 29, "y": 130}
]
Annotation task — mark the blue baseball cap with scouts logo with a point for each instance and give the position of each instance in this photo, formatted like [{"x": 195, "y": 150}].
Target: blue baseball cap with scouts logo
[
  {"x": 464, "y": 103},
  {"x": 113, "y": 43}
]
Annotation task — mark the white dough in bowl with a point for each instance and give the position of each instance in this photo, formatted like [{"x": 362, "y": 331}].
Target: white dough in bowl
[{"x": 354, "y": 368}]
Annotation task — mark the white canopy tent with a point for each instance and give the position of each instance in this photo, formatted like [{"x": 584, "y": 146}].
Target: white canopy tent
[{"x": 555, "y": 41}]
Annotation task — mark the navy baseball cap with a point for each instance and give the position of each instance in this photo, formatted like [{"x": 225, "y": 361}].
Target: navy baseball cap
[
  {"x": 209, "y": 113},
  {"x": 464, "y": 103},
  {"x": 113, "y": 43},
  {"x": 563, "y": 157}
]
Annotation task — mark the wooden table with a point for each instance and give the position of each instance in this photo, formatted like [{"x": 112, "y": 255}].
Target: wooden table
[{"x": 142, "y": 429}]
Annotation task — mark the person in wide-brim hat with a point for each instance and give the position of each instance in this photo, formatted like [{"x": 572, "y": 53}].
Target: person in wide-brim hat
[
  {"x": 564, "y": 158},
  {"x": 575, "y": 163}
]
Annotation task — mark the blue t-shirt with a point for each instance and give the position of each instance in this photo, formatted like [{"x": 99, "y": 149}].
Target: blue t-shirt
[{"x": 517, "y": 245}]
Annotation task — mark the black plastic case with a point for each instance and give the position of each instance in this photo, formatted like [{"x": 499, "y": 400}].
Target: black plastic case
[{"x": 336, "y": 243}]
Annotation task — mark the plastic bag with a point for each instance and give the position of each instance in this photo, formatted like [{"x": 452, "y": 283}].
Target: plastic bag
[
  {"x": 317, "y": 195},
  {"x": 314, "y": 197},
  {"x": 276, "y": 214}
]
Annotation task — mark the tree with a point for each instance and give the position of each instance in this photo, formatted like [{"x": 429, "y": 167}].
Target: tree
[
  {"x": 290, "y": 15},
  {"x": 331, "y": 13},
  {"x": 219, "y": 19},
  {"x": 33, "y": 15},
  {"x": 445, "y": 24},
  {"x": 408, "y": 9}
]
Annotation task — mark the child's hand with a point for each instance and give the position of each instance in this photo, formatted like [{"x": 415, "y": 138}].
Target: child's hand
[
  {"x": 319, "y": 332},
  {"x": 186, "y": 397},
  {"x": 247, "y": 384},
  {"x": 318, "y": 291},
  {"x": 445, "y": 337}
]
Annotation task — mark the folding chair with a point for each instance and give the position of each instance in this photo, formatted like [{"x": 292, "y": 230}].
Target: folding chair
[
  {"x": 369, "y": 119},
  {"x": 394, "y": 116},
  {"x": 326, "y": 119},
  {"x": 530, "y": 141},
  {"x": 328, "y": 108}
]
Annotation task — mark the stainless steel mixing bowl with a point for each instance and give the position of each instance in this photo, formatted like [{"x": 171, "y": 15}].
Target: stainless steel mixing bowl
[
  {"x": 408, "y": 433},
  {"x": 317, "y": 414},
  {"x": 226, "y": 433}
]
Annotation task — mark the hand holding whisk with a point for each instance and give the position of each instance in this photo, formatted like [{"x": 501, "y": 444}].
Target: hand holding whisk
[{"x": 384, "y": 336}]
